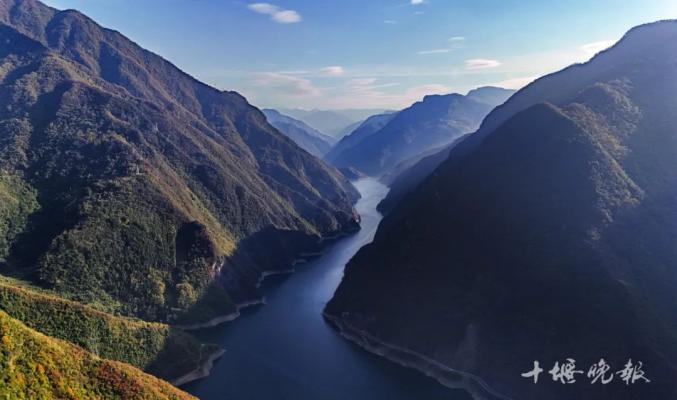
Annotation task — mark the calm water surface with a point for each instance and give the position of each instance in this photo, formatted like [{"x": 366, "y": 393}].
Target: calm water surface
[{"x": 284, "y": 350}]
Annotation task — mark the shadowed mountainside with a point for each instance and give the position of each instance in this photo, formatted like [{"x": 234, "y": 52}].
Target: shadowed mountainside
[
  {"x": 408, "y": 174},
  {"x": 411, "y": 172},
  {"x": 361, "y": 132},
  {"x": 548, "y": 234}
]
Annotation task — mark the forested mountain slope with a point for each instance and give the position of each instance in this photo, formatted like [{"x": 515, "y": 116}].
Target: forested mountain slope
[
  {"x": 128, "y": 189},
  {"x": 131, "y": 182}
]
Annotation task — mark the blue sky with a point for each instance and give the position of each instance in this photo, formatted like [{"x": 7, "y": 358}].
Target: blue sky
[{"x": 369, "y": 53}]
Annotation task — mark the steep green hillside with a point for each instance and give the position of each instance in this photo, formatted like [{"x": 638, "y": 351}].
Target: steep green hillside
[
  {"x": 137, "y": 189},
  {"x": 128, "y": 189},
  {"x": 155, "y": 348},
  {"x": 34, "y": 366},
  {"x": 17, "y": 201}
]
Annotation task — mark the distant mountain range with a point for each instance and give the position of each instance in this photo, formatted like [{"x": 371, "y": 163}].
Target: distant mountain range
[
  {"x": 129, "y": 188},
  {"x": 547, "y": 235},
  {"x": 436, "y": 121},
  {"x": 307, "y": 137},
  {"x": 336, "y": 123},
  {"x": 360, "y": 132}
]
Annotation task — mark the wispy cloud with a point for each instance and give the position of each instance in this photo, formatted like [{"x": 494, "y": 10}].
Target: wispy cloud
[
  {"x": 367, "y": 92},
  {"x": 416, "y": 2},
  {"x": 481, "y": 63},
  {"x": 595, "y": 47},
  {"x": 361, "y": 82},
  {"x": 294, "y": 72},
  {"x": 367, "y": 86},
  {"x": 286, "y": 85},
  {"x": 264, "y": 8},
  {"x": 434, "y": 51},
  {"x": 276, "y": 13},
  {"x": 334, "y": 70},
  {"x": 392, "y": 86},
  {"x": 390, "y": 21},
  {"x": 455, "y": 43}
]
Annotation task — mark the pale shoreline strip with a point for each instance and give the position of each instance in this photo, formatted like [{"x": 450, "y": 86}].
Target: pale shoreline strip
[
  {"x": 200, "y": 372},
  {"x": 445, "y": 375}
]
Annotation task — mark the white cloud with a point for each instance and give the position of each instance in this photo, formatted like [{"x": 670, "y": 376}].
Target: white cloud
[
  {"x": 334, "y": 70},
  {"x": 276, "y": 13},
  {"x": 361, "y": 82},
  {"x": 286, "y": 85},
  {"x": 435, "y": 51},
  {"x": 370, "y": 92},
  {"x": 287, "y": 17},
  {"x": 593, "y": 48},
  {"x": 395, "y": 86},
  {"x": 294, "y": 72},
  {"x": 264, "y": 8},
  {"x": 455, "y": 43},
  {"x": 416, "y": 2},
  {"x": 390, "y": 21},
  {"x": 481, "y": 63}
]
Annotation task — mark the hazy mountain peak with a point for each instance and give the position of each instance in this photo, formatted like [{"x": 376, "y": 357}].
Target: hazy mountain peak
[
  {"x": 440, "y": 97},
  {"x": 490, "y": 95},
  {"x": 307, "y": 137},
  {"x": 433, "y": 122}
]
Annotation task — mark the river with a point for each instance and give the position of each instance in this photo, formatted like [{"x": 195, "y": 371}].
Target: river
[{"x": 284, "y": 350}]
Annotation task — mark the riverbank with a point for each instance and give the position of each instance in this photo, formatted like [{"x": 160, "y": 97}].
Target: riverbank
[
  {"x": 445, "y": 375},
  {"x": 204, "y": 370},
  {"x": 222, "y": 319},
  {"x": 201, "y": 371},
  {"x": 287, "y": 350},
  {"x": 302, "y": 258}
]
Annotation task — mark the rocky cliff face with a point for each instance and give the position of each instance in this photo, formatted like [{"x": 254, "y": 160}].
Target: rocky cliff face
[{"x": 548, "y": 234}]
